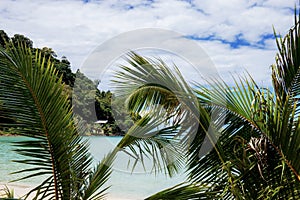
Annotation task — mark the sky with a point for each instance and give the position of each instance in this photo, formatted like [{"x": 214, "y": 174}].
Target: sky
[{"x": 237, "y": 35}]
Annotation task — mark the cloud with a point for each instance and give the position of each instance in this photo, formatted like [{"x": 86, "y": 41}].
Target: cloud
[
  {"x": 238, "y": 32},
  {"x": 231, "y": 62}
]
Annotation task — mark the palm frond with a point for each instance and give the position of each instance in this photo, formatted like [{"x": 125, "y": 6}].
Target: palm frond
[
  {"x": 183, "y": 191},
  {"x": 163, "y": 100},
  {"x": 91, "y": 189},
  {"x": 250, "y": 112},
  {"x": 33, "y": 99},
  {"x": 150, "y": 83},
  {"x": 286, "y": 71},
  {"x": 144, "y": 140},
  {"x": 255, "y": 136}
]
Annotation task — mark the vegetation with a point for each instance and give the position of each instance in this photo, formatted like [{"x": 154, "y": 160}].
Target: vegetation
[
  {"x": 242, "y": 141},
  {"x": 40, "y": 110},
  {"x": 34, "y": 99},
  {"x": 92, "y": 105},
  {"x": 237, "y": 142}
]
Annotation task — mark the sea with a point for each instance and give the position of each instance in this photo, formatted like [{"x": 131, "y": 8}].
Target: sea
[{"x": 125, "y": 182}]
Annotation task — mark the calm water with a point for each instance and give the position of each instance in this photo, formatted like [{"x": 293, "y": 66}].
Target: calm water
[{"x": 124, "y": 183}]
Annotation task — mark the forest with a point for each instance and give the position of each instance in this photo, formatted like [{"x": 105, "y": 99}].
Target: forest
[{"x": 89, "y": 106}]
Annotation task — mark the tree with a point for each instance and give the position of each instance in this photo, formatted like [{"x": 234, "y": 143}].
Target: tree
[
  {"x": 21, "y": 39},
  {"x": 64, "y": 69},
  {"x": 83, "y": 97},
  {"x": 63, "y": 65},
  {"x": 253, "y": 132},
  {"x": 112, "y": 109},
  {"x": 91, "y": 104},
  {"x": 3, "y": 38},
  {"x": 33, "y": 97},
  {"x": 48, "y": 52}
]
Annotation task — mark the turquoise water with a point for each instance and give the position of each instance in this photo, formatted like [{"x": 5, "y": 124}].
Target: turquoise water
[
  {"x": 125, "y": 184},
  {"x": 6, "y": 156}
]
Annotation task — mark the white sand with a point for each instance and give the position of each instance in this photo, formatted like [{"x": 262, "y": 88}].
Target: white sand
[{"x": 21, "y": 189}]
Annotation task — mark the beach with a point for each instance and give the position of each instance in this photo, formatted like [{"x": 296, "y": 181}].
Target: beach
[
  {"x": 21, "y": 189},
  {"x": 125, "y": 185}
]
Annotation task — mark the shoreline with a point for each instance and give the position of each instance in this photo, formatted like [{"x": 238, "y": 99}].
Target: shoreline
[{"x": 20, "y": 189}]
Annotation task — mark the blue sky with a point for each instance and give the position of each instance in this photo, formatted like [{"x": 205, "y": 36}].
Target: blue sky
[{"x": 236, "y": 34}]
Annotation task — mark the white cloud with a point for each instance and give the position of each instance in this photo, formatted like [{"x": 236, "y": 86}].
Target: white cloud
[{"x": 74, "y": 28}]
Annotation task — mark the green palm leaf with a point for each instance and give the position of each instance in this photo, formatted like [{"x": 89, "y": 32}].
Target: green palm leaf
[
  {"x": 144, "y": 141},
  {"x": 286, "y": 73},
  {"x": 243, "y": 113},
  {"x": 183, "y": 191},
  {"x": 33, "y": 98},
  {"x": 163, "y": 100},
  {"x": 251, "y": 112}
]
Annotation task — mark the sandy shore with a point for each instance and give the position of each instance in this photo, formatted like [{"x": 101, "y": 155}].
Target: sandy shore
[{"x": 21, "y": 189}]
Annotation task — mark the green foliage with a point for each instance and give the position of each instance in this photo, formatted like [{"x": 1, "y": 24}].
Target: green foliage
[
  {"x": 155, "y": 104},
  {"x": 118, "y": 115},
  {"x": 33, "y": 97},
  {"x": 91, "y": 104},
  {"x": 83, "y": 98},
  {"x": 55, "y": 150},
  {"x": 3, "y": 38},
  {"x": 247, "y": 148},
  {"x": 285, "y": 72},
  {"x": 183, "y": 191},
  {"x": 18, "y": 39},
  {"x": 103, "y": 105},
  {"x": 63, "y": 66},
  {"x": 64, "y": 69}
]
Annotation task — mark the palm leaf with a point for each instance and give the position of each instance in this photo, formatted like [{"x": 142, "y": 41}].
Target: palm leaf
[
  {"x": 256, "y": 155},
  {"x": 33, "y": 98},
  {"x": 250, "y": 112},
  {"x": 286, "y": 73},
  {"x": 183, "y": 191},
  {"x": 240, "y": 113},
  {"x": 163, "y": 100},
  {"x": 145, "y": 141}
]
